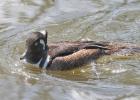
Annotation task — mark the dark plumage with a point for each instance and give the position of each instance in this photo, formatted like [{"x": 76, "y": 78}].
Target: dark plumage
[{"x": 66, "y": 55}]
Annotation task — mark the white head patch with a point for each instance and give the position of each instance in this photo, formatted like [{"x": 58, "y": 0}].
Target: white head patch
[
  {"x": 43, "y": 32},
  {"x": 43, "y": 43}
]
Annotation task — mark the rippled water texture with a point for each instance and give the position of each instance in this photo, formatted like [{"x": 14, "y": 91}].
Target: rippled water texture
[{"x": 112, "y": 77}]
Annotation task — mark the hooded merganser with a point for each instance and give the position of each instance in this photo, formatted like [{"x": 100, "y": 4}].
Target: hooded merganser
[{"x": 64, "y": 55}]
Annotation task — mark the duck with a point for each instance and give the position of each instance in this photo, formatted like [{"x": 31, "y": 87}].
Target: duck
[{"x": 64, "y": 55}]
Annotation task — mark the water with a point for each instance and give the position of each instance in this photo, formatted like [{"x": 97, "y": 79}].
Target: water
[{"x": 114, "y": 77}]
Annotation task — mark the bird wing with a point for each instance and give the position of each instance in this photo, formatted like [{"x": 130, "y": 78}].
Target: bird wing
[{"x": 65, "y": 48}]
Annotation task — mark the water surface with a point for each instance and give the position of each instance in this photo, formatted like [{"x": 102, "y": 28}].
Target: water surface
[{"x": 111, "y": 78}]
